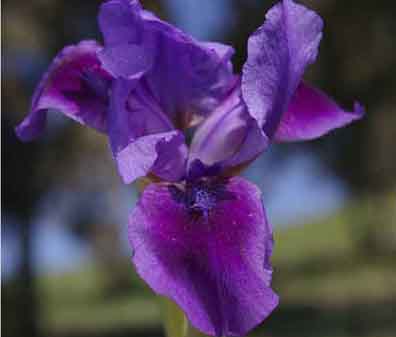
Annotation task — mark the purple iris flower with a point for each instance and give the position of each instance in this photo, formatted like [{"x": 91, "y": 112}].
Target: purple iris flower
[{"x": 199, "y": 235}]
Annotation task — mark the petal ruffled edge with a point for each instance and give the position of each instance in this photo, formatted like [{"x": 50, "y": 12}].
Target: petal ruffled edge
[{"x": 164, "y": 154}]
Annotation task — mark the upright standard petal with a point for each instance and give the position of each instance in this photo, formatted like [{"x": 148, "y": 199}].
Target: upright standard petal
[
  {"x": 141, "y": 136},
  {"x": 126, "y": 61},
  {"x": 215, "y": 265},
  {"x": 186, "y": 77},
  {"x": 278, "y": 53},
  {"x": 311, "y": 114},
  {"x": 120, "y": 22},
  {"x": 229, "y": 136},
  {"x": 76, "y": 85}
]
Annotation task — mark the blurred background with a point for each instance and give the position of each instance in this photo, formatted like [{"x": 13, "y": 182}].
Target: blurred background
[{"x": 65, "y": 260}]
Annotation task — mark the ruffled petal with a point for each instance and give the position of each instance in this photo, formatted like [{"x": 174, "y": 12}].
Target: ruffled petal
[
  {"x": 278, "y": 53},
  {"x": 311, "y": 114},
  {"x": 163, "y": 154},
  {"x": 76, "y": 85},
  {"x": 186, "y": 77},
  {"x": 229, "y": 136},
  {"x": 120, "y": 22},
  {"x": 216, "y": 268},
  {"x": 125, "y": 60},
  {"x": 141, "y": 136}
]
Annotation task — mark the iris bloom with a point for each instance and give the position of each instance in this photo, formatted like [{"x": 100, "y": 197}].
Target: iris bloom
[{"x": 199, "y": 235}]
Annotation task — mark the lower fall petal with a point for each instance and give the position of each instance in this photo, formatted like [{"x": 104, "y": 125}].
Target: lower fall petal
[
  {"x": 215, "y": 267},
  {"x": 311, "y": 114}
]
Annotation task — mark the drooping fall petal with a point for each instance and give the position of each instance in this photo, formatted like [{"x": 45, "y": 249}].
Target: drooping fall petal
[
  {"x": 76, "y": 85},
  {"x": 311, "y": 114},
  {"x": 216, "y": 266}
]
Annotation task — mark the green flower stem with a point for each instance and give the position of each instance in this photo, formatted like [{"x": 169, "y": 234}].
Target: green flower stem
[{"x": 175, "y": 322}]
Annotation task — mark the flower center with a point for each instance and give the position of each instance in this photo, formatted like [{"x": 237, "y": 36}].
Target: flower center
[{"x": 201, "y": 197}]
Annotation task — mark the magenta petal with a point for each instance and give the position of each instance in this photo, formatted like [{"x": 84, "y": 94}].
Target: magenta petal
[
  {"x": 229, "y": 135},
  {"x": 311, "y": 114},
  {"x": 216, "y": 268},
  {"x": 278, "y": 53},
  {"x": 76, "y": 85}
]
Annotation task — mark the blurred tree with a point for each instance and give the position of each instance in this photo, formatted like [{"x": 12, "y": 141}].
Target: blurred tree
[
  {"x": 20, "y": 192},
  {"x": 356, "y": 62}
]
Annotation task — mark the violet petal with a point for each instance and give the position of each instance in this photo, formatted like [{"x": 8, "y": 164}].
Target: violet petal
[
  {"x": 120, "y": 22},
  {"x": 311, "y": 114},
  {"x": 125, "y": 60},
  {"x": 186, "y": 77},
  {"x": 278, "y": 53},
  {"x": 164, "y": 154},
  {"x": 229, "y": 135},
  {"x": 141, "y": 136},
  {"x": 216, "y": 268},
  {"x": 76, "y": 85}
]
